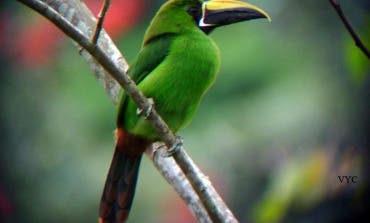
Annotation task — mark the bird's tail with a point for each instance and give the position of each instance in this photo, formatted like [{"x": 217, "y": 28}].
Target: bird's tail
[{"x": 120, "y": 184}]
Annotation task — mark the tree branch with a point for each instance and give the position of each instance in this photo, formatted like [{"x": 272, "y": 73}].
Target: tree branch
[
  {"x": 76, "y": 21},
  {"x": 215, "y": 206},
  {"x": 175, "y": 177},
  {"x": 349, "y": 28}
]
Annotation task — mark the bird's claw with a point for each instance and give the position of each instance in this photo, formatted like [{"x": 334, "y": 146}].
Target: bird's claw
[
  {"x": 145, "y": 113},
  {"x": 179, "y": 142}
]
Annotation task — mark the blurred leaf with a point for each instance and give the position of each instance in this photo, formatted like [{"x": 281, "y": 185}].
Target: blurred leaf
[
  {"x": 299, "y": 183},
  {"x": 358, "y": 64}
]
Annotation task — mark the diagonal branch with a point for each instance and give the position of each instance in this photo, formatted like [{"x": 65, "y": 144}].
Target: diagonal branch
[
  {"x": 76, "y": 21},
  {"x": 174, "y": 176},
  {"x": 348, "y": 26}
]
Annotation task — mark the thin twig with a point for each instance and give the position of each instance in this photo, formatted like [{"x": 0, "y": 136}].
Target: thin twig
[
  {"x": 101, "y": 17},
  {"x": 118, "y": 70},
  {"x": 348, "y": 26}
]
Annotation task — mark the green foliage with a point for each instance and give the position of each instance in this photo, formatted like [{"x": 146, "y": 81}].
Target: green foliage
[{"x": 357, "y": 63}]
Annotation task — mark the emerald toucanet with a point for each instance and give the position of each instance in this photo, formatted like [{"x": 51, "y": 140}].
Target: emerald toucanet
[{"x": 177, "y": 64}]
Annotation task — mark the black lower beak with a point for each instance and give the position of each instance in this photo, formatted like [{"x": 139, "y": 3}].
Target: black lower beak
[
  {"x": 229, "y": 16},
  {"x": 217, "y": 13}
]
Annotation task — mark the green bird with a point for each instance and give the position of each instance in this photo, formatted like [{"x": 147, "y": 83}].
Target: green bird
[{"x": 176, "y": 65}]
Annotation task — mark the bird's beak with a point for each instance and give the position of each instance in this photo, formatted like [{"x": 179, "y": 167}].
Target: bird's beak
[{"x": 223, "y": 12}]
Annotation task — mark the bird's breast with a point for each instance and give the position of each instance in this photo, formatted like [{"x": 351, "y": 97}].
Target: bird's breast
[
  {"x": 179, "y": 82},
  {"x": 195, "y": 62}
]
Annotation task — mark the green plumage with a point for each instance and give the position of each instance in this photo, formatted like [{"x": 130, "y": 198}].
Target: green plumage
[
  {"x": 176, "y": 65},
  {"x": 178, "y": 62}
]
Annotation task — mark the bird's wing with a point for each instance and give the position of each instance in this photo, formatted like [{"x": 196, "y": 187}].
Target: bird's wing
[{"x": 150, "y": 56}]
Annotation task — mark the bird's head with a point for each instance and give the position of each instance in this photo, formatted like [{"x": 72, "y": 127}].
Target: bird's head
[{"x": 178, "y": 16}]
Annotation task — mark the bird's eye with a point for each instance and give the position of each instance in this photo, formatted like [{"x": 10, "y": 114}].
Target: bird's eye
[{"x": 195, "y": 12}]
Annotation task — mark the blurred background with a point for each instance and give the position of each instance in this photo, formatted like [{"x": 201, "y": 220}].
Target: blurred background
[{"x": 288, "y": 114}]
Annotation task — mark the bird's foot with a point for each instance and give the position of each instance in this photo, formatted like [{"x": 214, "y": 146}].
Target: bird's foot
[
  {"x": 145, "y": 113},
  {"x": 177, "y": 146}
]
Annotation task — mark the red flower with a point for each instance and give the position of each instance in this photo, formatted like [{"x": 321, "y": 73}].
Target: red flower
[
  {"x": 37, "y": 42},
  {"x": 121, "y": 16}
]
